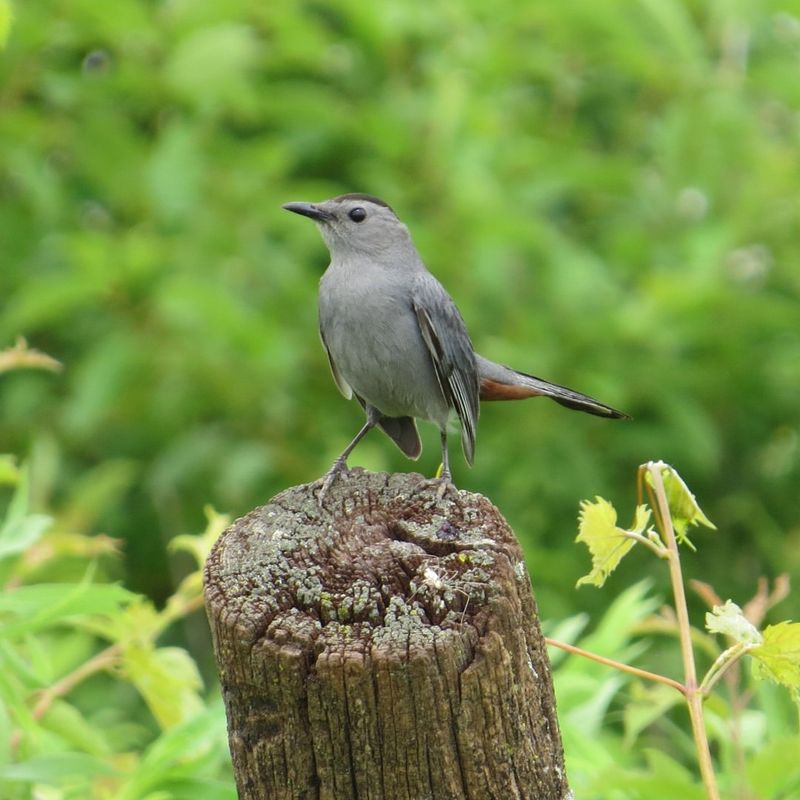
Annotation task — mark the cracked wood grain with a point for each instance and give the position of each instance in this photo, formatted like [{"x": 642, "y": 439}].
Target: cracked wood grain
[{"x": 384, "y": 647}]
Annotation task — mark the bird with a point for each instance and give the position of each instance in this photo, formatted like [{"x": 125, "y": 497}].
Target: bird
[{"x": 396, "y": 341}]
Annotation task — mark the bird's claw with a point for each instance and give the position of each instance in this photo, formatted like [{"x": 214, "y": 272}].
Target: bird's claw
[
  {"x": 443, "y": 484},
  {"x": 328, "y": 479}
]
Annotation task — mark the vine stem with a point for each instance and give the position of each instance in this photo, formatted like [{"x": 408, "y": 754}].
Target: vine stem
[
  {"x": 694, "y": 694},
  {"x": 105, "y": 659},
  {"x": 622, "y": 667},
  {"x": 723, "y": 663}
]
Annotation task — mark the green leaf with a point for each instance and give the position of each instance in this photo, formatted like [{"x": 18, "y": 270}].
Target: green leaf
[
  {"x": 18, "y": 535},
  {"x": 95, "y": 492},
  {"x": 647, "y": 705},
  {"x": 6, "y": 17},
  {"x": 664, "y": 779},
  {"x": 200, "y": 546},
  {"x": 612, "y": 636},
  {"x": 174, "y": 173},
  {"x": 590, "y": 701},
  {"x": 774, "y": 771},
  {"x": 55, "y": 767},
  {"x": 567, "y": 630},
  {"x": 73, "y": 728},
  {"x": 20, "y": 529},
  {"x": 168, "y": 679},
  {"x": 7, "y": 727},
  {"x": 9, "y": 471},
  {"x": 209, "y": 66},
  {"x": 683, "y": 507},
  {"x": 664, "y": 766},
  {"x": 607, "y": 542},
  {"x": 777, "y": 658},
  {"x": 45, "y": 605},
  {"x": 729, "y": 620},
  {"x": 190, "y": 749},
  {"x": 192, "y": 788},
  {"x": 192, "y": 739}
]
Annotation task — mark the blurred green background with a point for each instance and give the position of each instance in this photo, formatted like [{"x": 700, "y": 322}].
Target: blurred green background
[{"x": 609, "y": 191}]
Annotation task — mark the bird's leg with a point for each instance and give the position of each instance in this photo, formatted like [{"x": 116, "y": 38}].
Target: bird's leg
[
  {"x": 341, "y": 463},
  {"x": 445, "y": 478}
]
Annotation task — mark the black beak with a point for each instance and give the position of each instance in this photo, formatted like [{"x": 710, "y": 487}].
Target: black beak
[{"x": 308, "y": 210}]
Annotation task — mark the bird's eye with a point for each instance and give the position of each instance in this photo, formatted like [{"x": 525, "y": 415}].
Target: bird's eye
[{"x": 357, "y": 214}]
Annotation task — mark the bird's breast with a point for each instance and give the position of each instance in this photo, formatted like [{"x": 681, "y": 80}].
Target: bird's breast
[{"x": 371, "y": 332}]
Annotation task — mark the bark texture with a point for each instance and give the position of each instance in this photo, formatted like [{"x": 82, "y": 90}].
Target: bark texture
[{"x": 384, "y": 647}]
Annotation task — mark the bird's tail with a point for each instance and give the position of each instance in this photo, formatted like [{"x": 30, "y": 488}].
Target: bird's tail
[{"x": 499, "y": 382}]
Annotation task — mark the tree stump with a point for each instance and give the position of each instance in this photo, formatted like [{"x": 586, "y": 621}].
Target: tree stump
[{"x": 384, "y": 647}]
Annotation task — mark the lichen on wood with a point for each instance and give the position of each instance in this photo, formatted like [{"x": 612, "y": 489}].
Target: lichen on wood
[{"x": 385, "y": 646}]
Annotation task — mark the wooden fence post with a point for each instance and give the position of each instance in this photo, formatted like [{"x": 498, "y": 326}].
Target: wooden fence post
[{"x": 385, "y": 647}]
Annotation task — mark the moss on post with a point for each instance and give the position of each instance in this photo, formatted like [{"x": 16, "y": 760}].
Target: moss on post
[{"x": 386, "y": 646}]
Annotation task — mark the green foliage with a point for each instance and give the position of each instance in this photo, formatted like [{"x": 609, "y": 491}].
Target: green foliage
[
  {"x": 91, "y": 705},
  {"x": 5, "y": 21},
  {"x": 608, "y": 190},
  {"x": 625, "y": 740},
  {"x": 607, "y": 542},
  {"x": 775, "y": 654},
  {"x": 19, "y": 528},
  {"x": 729, "y": 620},
  {"x": 776, "y": 651},
  {"x": 683, "y": 508}
]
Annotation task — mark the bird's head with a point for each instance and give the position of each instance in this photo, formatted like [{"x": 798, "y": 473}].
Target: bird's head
[{"x": 356, "y": 224}]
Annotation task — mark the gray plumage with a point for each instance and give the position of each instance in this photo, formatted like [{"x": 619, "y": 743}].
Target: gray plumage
[{"x": 395, "y": 338}]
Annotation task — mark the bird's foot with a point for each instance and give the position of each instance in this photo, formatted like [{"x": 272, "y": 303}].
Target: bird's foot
[
  {"x": 443, "y": 483},
  {"x": 329, "y": 477}
]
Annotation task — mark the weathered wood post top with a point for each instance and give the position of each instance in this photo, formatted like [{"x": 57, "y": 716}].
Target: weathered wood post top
[{"x": 385, "y": 646}]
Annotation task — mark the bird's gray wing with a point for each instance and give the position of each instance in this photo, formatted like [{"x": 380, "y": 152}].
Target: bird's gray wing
[
  {"x": 344, "y": 386},
  {"x": 450, "y": 348}
]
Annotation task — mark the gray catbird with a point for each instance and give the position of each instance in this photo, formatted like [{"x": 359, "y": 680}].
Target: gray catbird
[{"x": 396, "y": 340}]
